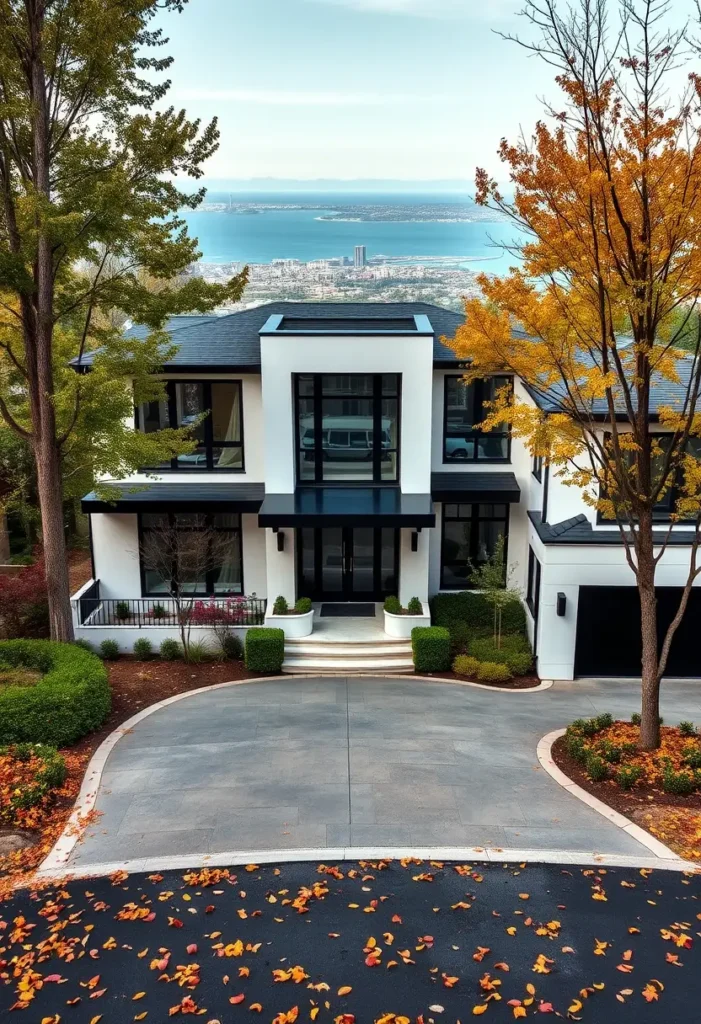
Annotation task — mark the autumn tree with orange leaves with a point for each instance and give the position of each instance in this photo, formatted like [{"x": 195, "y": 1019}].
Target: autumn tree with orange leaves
[{"x": 607, "y": 197}]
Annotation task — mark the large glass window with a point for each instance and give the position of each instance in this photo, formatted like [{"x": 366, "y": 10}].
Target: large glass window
[
  {"x": 339, "y": 418},
  {"x": 202, "y": 553},
  {"x": 213, "y": 411},
  {"x": 463, "y": 409},
  {"x": 469, "y": 539},
  {"x": 667, "y": 504}
]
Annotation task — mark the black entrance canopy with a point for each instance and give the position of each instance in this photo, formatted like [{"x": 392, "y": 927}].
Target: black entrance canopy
[{"x": 346, "y": 506}]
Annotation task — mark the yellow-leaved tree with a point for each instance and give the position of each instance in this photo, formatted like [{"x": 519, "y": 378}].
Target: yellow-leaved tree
[{"x": 600, "y": 320}]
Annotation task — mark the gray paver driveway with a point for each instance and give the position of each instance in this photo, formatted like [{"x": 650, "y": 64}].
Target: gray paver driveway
[{"x": 302, "y": 763}]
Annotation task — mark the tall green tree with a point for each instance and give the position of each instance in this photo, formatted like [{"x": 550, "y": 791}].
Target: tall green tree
[{"x": 89, "y": 154}]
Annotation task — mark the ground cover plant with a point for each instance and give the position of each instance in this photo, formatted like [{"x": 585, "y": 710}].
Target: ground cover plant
[
  {"x": 30, "y": 777},
  {"x": 369, "y": 942},
  {"x": 659, "y": 789}
]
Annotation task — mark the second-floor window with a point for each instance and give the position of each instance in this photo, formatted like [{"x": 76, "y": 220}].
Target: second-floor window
[
  {"x": 347, "y": 427},
  {"x": 463, "y": 409},
  {"x": 213, "y": 410},
  {"x": 667, "y": 505}
]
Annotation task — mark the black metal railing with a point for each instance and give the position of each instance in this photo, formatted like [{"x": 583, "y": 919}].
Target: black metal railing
[{"x": 94, "y": 610}]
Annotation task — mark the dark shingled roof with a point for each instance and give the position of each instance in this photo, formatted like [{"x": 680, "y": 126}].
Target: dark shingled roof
[
  {"x": 232, "y": 342},
  {"x": 475, "y": 487},
  {"x": 662, "y": 392},
  {"x": 579, "y": 530},
  {"x": 185, "y": 496}
]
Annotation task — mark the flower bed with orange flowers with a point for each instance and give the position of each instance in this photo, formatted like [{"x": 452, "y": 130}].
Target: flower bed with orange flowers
[{"x": 659, "y": 789}]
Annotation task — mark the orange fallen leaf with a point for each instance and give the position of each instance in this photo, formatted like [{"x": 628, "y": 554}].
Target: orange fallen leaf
[{"x": 344, "y": 990}]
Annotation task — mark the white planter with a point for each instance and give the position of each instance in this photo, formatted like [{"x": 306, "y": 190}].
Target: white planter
[
  {"x": 293, "y": 625},
  {"x": 400, "y": 626}
]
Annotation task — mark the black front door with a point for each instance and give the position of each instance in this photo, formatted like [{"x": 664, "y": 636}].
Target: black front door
[{"x": 346, "y": 563}]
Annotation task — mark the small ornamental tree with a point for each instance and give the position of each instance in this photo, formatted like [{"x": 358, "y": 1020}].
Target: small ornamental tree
[
  {"x": 88, "y": 221},
  {"x": 181, "y": 559},
  {"x": 607, "y": 196},
  {"x": 492, "y": 578}
]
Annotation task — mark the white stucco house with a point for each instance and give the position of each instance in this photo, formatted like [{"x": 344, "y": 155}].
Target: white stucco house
[{"x": 287, "y": 465}]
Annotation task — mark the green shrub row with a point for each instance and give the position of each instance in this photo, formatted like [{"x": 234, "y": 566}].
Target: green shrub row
[
  {"x": 171, "y": 649},
  {"x": 431, "y": 648},
  {"x": 265, "y": 649},
  {"x": 468, "y": 615},
  {"x": 484, "y": 671},
  {"x": 71, "y": 700},
  {"x": 514, "y": 652}
]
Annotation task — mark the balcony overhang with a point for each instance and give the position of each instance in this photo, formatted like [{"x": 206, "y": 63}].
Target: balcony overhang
[
  {"x": 347, "y": 506},
  {"x": 478, "y": 487},
  {"x": 185, "y": 496}
]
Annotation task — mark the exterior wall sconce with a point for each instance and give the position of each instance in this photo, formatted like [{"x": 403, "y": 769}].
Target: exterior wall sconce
[
  {"x": 414, "y": 540},
  {"x": 280, "y": 540},
  {"x": 561, "y": 604}
]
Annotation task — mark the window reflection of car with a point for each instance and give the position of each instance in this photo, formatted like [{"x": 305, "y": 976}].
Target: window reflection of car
[
  {"x": 346, "y": 439},
  {"x": 193, "y": 459},
  {"x": 459, "y": 447}
]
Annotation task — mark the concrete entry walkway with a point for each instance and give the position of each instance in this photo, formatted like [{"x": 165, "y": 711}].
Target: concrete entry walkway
[{"x": 301, "y": 763}]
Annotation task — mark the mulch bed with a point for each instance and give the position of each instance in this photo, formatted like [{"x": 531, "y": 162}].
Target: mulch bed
[
  {"x": 627, "y": 802},
  {"x": 517, "y": 683},
  {"x": 674, "y": 820}
]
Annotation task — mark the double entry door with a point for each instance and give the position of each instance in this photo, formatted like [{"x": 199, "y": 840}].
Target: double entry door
[{"x": 347, "y": 563}]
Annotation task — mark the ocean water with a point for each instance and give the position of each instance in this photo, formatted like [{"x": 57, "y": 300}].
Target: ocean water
[{"x": 225, "y": 237}]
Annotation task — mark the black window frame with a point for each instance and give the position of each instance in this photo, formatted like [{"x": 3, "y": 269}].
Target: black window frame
[
  {"x": 474, "y": 519},
  {"x": 377, "y": 452},
  {"x": 208, "y": 521},
  {"x": 537, "y": 468},
  {"x": 479, "y": 399},
  {"x": 533, "y": 584},
  {"x": 663, "y": 510},
  {"x": 208, "y": 444}
]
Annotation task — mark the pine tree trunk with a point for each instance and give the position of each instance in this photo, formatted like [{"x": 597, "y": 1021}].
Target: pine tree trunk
[
  {"x": 650, "y": 712},
  {"x": 54, "y": 542}
]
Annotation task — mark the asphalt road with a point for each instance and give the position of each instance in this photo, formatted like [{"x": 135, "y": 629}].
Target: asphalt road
[{"x": 422, "y": 942}]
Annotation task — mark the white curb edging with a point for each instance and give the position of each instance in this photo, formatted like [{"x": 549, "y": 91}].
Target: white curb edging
[
  {"x": 57, "y": 858},
  {"x": 658, "y": 849},
  {"x": 331, "y": 855}
]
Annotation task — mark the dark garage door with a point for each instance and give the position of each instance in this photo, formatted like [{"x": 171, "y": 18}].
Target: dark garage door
[{"x": 608, "y": 632}]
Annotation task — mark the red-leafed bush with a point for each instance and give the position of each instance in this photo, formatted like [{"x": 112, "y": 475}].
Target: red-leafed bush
[{"x": 24, "y": 607}]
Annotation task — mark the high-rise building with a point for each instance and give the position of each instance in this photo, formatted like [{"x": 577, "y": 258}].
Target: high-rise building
[{"x": 360, "y": 258}]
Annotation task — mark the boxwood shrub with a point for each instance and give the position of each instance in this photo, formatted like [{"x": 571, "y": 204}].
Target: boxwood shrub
[
  {"x": 473, "y": 608},
  {"x": 265, "y": 649},
  {"x": 493, "y": 672},
  {"x": 431, "y": 647},
  {"x": 515, "y": 652},
  {"x": 303, "y": 606},
  {"x": 71, "y": 700}
]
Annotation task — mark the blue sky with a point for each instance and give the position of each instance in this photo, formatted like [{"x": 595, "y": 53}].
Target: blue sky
[{"x": 411, "y": 89}]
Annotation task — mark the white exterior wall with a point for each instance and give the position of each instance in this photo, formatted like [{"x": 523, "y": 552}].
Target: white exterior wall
[
  {"x": 115, "y": 541},
  {"x": 567, "y": 567},
  {"x": 410, "y": 356},
  {"x": 115, "y": 538}
]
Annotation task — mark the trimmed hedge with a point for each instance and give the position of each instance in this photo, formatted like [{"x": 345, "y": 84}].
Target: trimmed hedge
[
  {"x": 468, "y": 616},
  {"x": 303, "y": 606},
  {"x": 265, "y": 649},
  {"x": 431, "y": 647},
  {"x": 515, "y": 652},
  {"x": 71, "y": 700},
  {"x": 493, "y": 672}
]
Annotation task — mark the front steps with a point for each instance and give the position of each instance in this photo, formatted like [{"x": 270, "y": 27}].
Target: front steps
[{"x": 347, "y": 657}]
